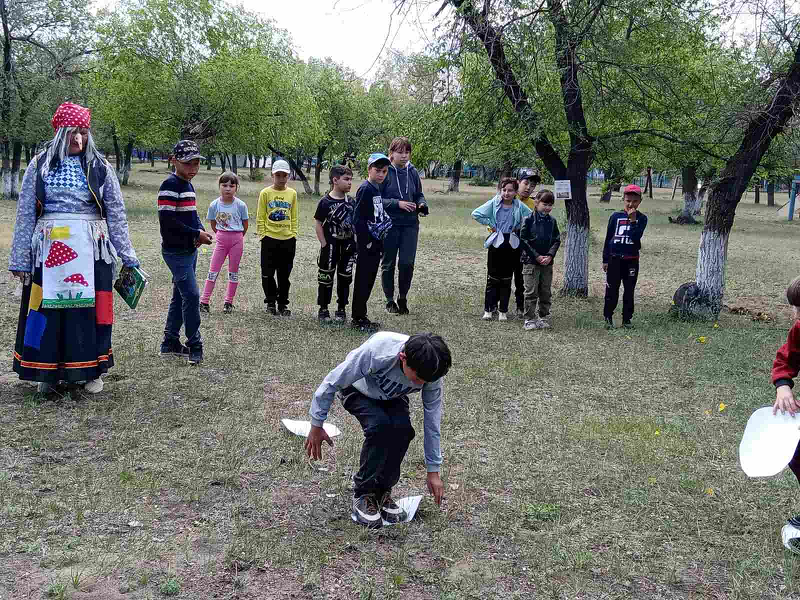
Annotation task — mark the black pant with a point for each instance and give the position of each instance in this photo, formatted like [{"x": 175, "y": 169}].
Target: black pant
[
  {"x": 387, "y": 434},
  {"x": 399, "y": 246},
  {"x": 519, "y": 287},
  {"x": 337, "y": 257},
  {"x": 501, "y": 263},
  {"x": 620, "y": 271},
  {"x": 367, "y": 263},
  {"x": 277, "y": 256}
]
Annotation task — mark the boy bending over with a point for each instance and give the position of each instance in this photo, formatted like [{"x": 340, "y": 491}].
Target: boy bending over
[{"x": 373, "y": 384}]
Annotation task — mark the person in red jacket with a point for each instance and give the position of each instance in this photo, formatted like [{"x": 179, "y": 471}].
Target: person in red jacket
[{"x": 784, "y": 369}]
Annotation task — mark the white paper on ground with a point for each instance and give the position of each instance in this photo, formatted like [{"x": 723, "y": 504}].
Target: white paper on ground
[
  {"x": 768, "y": 443},
  {"x": 303, "y": 428},
  {"x": 410, "y": 505}
]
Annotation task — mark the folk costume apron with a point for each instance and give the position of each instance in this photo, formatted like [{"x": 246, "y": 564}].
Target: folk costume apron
[{"x": 66, "y": 313}]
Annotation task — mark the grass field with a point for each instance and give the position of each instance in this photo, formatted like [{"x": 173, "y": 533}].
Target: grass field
[{"x": 579, "y": 463}]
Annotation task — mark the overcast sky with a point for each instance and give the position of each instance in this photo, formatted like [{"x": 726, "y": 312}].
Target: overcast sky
[{"x": 351, "y": 32}]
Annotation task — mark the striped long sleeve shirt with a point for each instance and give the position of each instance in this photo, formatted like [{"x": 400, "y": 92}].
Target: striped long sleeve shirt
[{"x": 177, "y": 215}]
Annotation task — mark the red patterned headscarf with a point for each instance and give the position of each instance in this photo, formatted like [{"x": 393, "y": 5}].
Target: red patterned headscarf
[{"x": 71, "y": 115}]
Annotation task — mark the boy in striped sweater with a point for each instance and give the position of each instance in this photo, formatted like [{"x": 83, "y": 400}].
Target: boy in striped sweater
[{"x": 181, "y": 234}]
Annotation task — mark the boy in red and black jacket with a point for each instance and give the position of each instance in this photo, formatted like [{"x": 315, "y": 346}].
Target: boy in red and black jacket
[
  {"x": 621, "y": 255},
  {"x": 784, "y": 370}
]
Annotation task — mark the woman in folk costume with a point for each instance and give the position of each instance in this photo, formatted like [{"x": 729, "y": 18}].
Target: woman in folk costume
[{"x": 71, "y": 232}]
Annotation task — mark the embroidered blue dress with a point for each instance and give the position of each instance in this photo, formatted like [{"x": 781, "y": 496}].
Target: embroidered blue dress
[{"x": 68, "y": 344}]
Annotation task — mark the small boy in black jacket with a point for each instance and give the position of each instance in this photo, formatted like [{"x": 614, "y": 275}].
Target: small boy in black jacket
[
  {"x": 539, "y": 242},
  {"x": 621, "y": 255}
]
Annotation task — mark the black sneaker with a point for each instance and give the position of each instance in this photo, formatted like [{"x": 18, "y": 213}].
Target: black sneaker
[
  {"x": 402, "y": 306},
  {"x": 324, "y": 315},
  {"x": 790, "y": 535},
  {"x": 340, "y": 315},
  {"x": 365, "y": 511},
  {"x": 270, "y": 309},
  {"x": 364, "y": 324},
  {"x": 609, "y": 323},
  {"x": 628, "y": 325},
  {"x": 390, "y": 512},
  {"x": 284, "y": 312},
  {"x": 205, "y": 307},
  {"x": 392, "y": 308},
  {"x": 173, "y": 348},
  {"x": 227, "y": 308},
  {"x": 196, "y": 355}
]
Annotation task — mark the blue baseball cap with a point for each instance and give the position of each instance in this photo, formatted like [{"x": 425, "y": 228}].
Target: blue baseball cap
[{"x": 377, "y": 157}]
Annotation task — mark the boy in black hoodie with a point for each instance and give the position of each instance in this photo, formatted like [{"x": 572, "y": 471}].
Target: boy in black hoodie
[
  {"x": 621, "y": 255},
  {"x": 539, "y": 242}
]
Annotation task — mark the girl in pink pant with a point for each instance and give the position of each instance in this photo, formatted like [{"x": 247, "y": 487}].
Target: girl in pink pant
[{"x": 228, "y": 217}]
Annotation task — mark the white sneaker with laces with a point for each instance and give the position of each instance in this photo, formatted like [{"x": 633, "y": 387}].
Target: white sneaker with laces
[
  {"x": 544, "y": 323},
  {"x": 95, "y": 386},
  {"x": 790, "y": 535},
  {"x": 502, "y": 316},
  {"x": 531, "y": 324},
  {"x": 487, "y": 316}
]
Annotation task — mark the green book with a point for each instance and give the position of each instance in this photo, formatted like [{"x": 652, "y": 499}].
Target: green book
[{"x": 130, "y": 284}]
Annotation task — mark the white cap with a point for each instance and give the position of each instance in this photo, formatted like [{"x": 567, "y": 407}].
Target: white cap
[{"x": 281, "y": 166}]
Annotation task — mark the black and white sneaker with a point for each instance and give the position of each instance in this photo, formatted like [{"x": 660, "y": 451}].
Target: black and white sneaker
[
  {"x": 365, "y": 325},
  {"x": 790, "y": 535},
  {"x": 270, "y": 309},
  {"x": 284, "y": 311},
  {"x": 340, "y": 316},
  {"x": 365, "y": 511},
  {"x": 227, "y": 308},
  {"x": 195, "y": 355},
  {"x": 391, "y": 307},
  {"x": 324, "y": 315},
  {"x": 205, "y": 308},
  {"x": 390, "y": 512}
]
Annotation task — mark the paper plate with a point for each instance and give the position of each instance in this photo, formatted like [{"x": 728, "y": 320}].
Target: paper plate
[
  {"x": 768, "y": 443},
  {"x": 303, "y": 428}
]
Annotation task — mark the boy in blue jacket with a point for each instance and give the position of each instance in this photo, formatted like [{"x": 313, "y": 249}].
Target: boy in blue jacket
[{"x": 621, "y": 255}]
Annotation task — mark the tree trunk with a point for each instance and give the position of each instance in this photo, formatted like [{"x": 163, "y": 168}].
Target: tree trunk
[
  {"x": 648, "y": 184},
  {"x": 606, "y": 197},
  {"x": 12, "y": 191},
  {"x": 234, "y": 163},
  {"x": 726, "y": 193},
  {"x": 117, "y": 152},
  {"x": 689, "y": 181},
  {"x": 318, "y": 168},
  {"x": 126, "y": 164},
  {"x": 757, "y": 191},
  {"x": 293, "y": 165},
  {"x": 28, "y": 153},
  {"x": 674, "y": 187},
  {"x": 455, "y": 176},
  {"x": 576, "y": 253},
  {"x": 507, "y": 168},
  {"x": 771, "y": 193},
  {"x": 701, "y": 198},
  {"x": 222, "y": 161}
]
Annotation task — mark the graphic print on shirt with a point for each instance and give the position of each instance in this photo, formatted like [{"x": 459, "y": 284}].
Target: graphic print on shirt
[
  {"x": 223, "y": 219},
  {"x": 621, "y": 233},
  {"x": 279, "y": 210},
  {"x": 392, "y": 388},
  {"x": 382, "y": 222}
]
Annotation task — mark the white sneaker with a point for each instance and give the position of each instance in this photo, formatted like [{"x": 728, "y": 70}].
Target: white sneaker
[
  {"x": 790, "y": 536},
  {"x": 95, "y": 386},
  {"x": 487, "y": 316},
  {"x": 531, "y": 324},
  {"x": 502, "y": 316},
  {"x": 544, "y": 323}
]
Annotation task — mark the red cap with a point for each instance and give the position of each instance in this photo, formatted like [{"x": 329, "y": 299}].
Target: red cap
[
  {"x": 71, "y": 115},
  {"x": 633, "y": 189}
]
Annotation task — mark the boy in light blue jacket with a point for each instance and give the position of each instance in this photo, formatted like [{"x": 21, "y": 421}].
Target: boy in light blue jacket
[{"x": 503, "y": 215}]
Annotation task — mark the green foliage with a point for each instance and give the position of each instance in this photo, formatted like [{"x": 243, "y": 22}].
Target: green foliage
[{"x": 171, "y": 587}]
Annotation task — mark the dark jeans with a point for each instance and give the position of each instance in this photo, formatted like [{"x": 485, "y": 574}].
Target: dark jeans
[
  {"x": 336, "y": 258},
  {"x": 387, "y": 434},
  {"x": 501, "y": 263},
  {"x": 625, "y": 272},
  {"x": 399, "y": 247},
  {"x": 367, "y": 263},
  {"x": 184, "y": 308},
  {"x": 519, "y": 287},
  {"x": 277, "y": 256}
]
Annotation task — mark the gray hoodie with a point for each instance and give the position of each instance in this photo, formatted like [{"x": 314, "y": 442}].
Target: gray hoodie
[{"x": 374, "y": 370}]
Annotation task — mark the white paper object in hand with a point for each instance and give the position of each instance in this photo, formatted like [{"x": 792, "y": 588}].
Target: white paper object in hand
[
  {"x": 768, "y": 443},
  {"x": 513, "y": 240},
  {"x": 410, "y": 505},
  {"x": 303, "y": 428},
  {"x": 495, "y": 239}
]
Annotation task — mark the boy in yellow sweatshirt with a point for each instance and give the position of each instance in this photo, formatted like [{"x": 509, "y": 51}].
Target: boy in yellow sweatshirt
[{"x": 277, "y": 229}]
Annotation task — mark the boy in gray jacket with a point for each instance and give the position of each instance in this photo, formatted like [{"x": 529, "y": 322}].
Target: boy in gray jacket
[{"x": 373, "y": 384}]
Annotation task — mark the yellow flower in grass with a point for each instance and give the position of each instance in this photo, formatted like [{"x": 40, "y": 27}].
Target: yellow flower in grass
[
  {"x": 707, "y": 412},
  {"x": 722, "y": 406},
  {"x": 658, "y": 432},
  {"x": 716, "y": 325},
  {"x": 709, "y": 491},
  {"x": 702, "y": 339}
]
